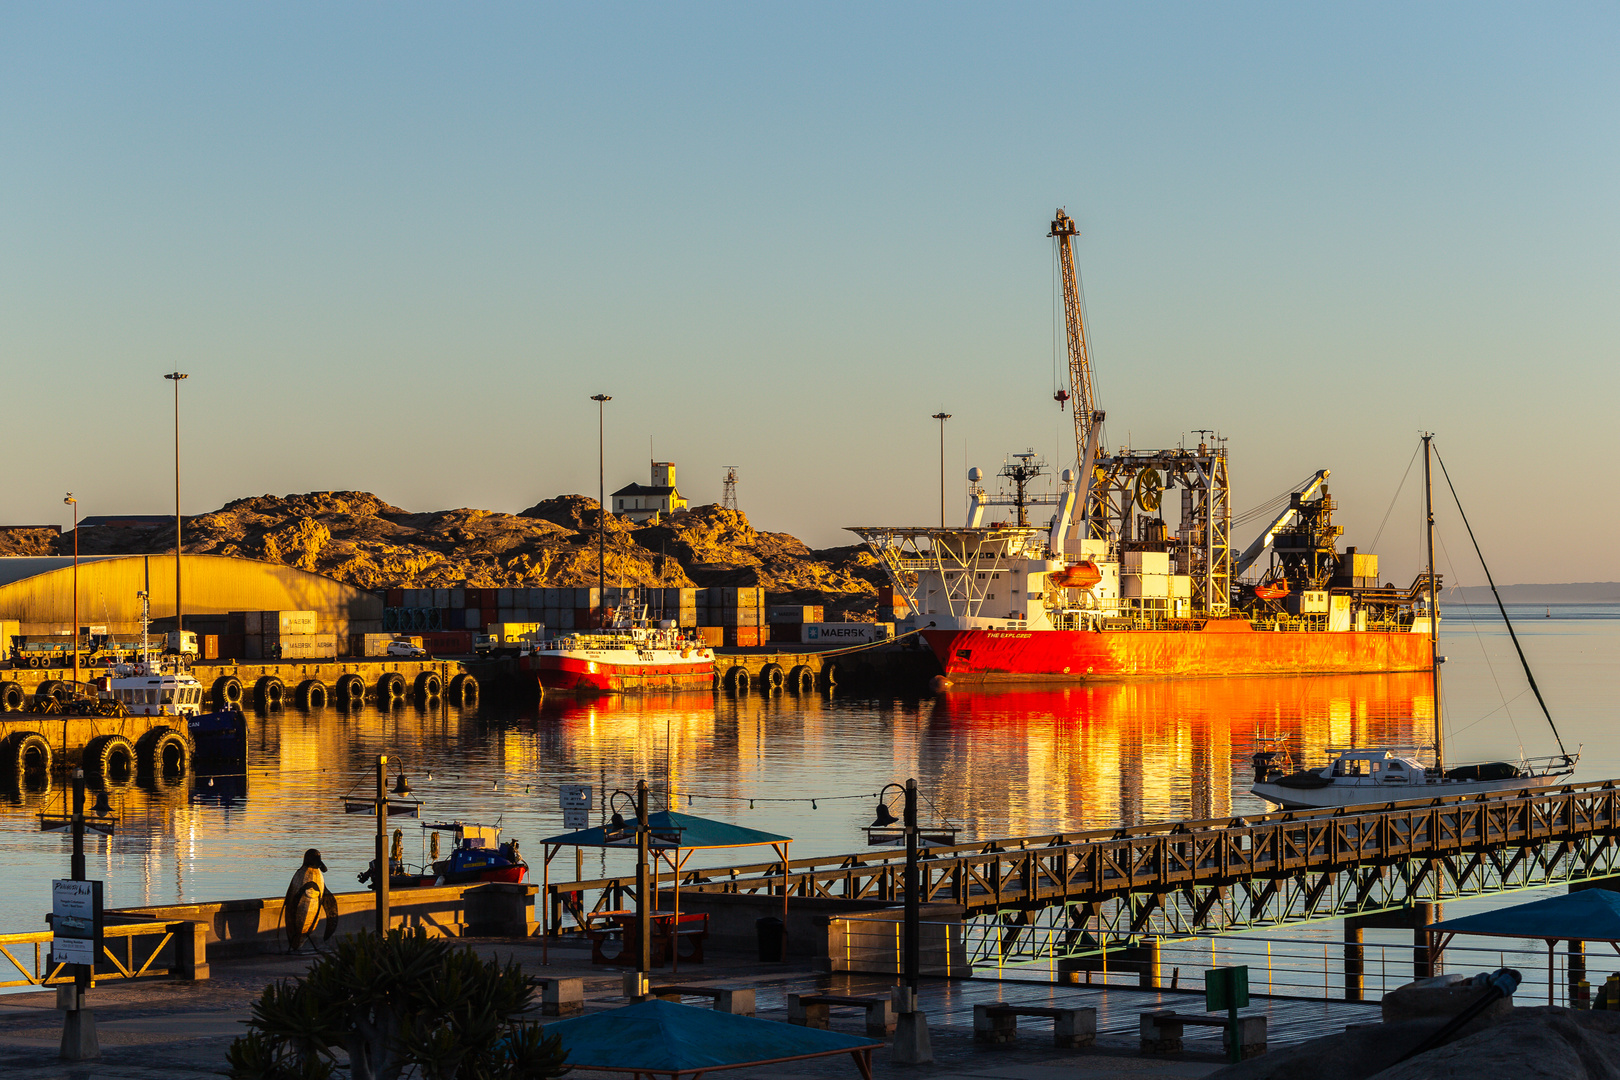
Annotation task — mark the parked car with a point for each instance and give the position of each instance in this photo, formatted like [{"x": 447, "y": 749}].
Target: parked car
[{"x": 406, "y": 649}]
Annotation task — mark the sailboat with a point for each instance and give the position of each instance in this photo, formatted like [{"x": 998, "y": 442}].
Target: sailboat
[{"x": 1360, "y": 776}]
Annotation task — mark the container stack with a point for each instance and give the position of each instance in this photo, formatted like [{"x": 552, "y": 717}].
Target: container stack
[
  {"x": 787, "y": 620},
  {"x": 284, "y": 635}
]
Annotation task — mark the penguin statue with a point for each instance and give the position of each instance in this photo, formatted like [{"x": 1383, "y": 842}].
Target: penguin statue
[{"x": 307, "y": 898}]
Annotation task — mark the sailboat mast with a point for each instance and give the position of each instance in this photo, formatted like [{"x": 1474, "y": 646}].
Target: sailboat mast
[{"x": 1434, "y": 611}]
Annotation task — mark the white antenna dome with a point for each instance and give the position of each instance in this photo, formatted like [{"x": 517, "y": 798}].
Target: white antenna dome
[
  {"x": 1068, "y": 476},
  {"x": 975, "y": 474}
]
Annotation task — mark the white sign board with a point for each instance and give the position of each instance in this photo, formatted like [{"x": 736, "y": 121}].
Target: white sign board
[
  {"x": 575, "y": 800},
  {"x": 76, "y": 915}
]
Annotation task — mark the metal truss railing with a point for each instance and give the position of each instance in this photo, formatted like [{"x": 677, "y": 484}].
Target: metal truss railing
[{"x": 1206, "y": 877}]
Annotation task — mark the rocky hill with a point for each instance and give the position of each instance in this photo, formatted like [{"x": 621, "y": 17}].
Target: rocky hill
[{"x": 358, "y": 538}]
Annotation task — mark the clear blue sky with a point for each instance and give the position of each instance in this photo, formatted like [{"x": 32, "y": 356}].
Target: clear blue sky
[{"x": 397, "y": 247}]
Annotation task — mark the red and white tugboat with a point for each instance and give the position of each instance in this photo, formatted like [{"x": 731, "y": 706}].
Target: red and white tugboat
[{"x": 626, "y": 656}]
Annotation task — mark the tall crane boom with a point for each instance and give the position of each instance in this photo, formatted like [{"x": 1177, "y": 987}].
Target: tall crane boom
[{"x": 1087, "y": 417}]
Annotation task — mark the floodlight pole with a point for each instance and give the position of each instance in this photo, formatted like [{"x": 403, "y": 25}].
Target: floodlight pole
[
  {"x": 601, "y": 514},
  {"x": 913, "y": 951},
  {"x": 179, "y": 621},
  {"x": 71, "y": 501},
  {"x": 381, "y": 879}
]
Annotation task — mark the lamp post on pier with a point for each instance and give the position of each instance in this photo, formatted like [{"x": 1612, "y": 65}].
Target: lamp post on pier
[{"x": 911, "y": 1046}]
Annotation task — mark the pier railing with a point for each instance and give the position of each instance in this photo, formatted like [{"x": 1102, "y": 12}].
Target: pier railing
[
  {"x": 1209, "y": 876},
  {"x": 129, "y": 950}
]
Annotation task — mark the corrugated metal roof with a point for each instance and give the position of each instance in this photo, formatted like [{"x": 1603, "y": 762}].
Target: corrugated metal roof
[
  {"x": 643, "y": 489},
  {"x": 16, "y": 567}
]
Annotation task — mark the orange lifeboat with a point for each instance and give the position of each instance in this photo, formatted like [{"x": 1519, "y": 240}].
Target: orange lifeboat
[
  {"x": 1082, "y": 575},
  {"x": 1275, "y": 590}
]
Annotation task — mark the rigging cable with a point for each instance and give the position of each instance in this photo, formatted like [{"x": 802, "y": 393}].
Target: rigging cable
[
  {"x": 1503, "y": 609},
  {"x": 1398, "y": 489}
]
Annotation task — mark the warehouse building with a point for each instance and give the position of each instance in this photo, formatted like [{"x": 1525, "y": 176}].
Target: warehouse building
[{"x": 37, "y": 593}]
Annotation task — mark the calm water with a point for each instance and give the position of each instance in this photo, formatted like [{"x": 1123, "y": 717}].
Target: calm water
[{"x": 995, "y": 764}]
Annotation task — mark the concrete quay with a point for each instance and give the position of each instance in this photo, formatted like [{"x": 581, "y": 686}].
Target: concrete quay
[{"x": 173, "y": 1029}]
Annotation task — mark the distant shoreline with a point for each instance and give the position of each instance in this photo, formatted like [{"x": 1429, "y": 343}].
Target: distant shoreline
[{"x": 1574, "y": 592}]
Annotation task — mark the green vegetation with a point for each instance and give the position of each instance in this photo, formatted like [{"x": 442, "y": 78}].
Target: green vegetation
[{"x": 397, "y": 1006}]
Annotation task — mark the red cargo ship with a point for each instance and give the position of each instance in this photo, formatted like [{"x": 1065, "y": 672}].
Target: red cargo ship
[{"x": 1091, "y": 581}]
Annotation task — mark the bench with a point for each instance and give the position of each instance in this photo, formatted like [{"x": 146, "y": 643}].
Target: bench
[
  {"x": 1161, "y": 1032},
  {"x": 812, "y": 1010},
  {"x": 560, "y": 997},
  {"x": 668, "y": 935},
  {"x": 998, "y": 1024},
  {"x": 726, "y": 1000}
]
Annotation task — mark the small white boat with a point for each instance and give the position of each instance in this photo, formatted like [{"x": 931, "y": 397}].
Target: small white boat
[
  {"x": 1360, "y": 776},
  {"x": 152, "y": 685}
]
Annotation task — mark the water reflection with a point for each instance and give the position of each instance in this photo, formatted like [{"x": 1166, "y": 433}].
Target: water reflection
[{"x": 1012, "y": 762}]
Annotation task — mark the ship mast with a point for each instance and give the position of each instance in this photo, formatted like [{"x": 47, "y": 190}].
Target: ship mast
[
  {"x": 1434, "y": 612},
  {"x": 1087, "y": 417}
]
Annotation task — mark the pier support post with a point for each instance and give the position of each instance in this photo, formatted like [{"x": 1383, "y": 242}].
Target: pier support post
[
  {"x": 1149, "y": 977},
  {"x": 1577, "y": 968},
  {"x": 1424, "y": 962},
  {"x": 1354, "y": 955}
]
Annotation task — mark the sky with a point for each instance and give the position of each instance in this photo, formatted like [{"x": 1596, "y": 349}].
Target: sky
[{"x": 398, "y": 247}]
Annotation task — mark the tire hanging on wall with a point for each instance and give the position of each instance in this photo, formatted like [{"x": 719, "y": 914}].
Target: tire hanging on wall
[
  {"x": 108, "y": 760},
  {"x": 164, "y": 752},
  {"x": 351, "y": 691},
  {"x": 801, "y": 680},
  {"x": 428, "y": 685},
  {"x": 312, "y": 694},
  {"x": 227, "y": 692},
  {"x": 390, "y": 689},
  {"x": 269, "y": 693},
  {"x": 771, "y": 679},
  {"x": 13, "y": 698},
  {"x": 737, "y": 681},
  {"x": 26, "y": 754},
  {"x": 463, "y": 689}
]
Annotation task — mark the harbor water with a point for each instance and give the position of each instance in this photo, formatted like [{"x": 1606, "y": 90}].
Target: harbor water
[{"x": 993, "y": 764}]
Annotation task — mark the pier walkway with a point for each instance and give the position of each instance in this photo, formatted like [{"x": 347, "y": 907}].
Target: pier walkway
[
  {"x": 179, "y": 1030},
  {"x": 1034, "y": 899}
]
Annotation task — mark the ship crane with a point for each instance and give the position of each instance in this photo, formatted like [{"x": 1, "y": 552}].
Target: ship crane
[
  {"x": 1290, "y": 514},
  {"x": 1088, "y": 419}
]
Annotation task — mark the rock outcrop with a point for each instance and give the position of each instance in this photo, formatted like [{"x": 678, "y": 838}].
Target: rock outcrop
[{"x": 360, "y": 539}]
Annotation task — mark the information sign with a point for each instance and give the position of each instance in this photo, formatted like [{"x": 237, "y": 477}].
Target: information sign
[
  {"x": 76, "y": 921},
  {"x": 575, "y": 800}
]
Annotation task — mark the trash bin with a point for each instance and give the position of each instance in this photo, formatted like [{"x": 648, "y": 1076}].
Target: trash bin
[{"x": 772, "y": 933}]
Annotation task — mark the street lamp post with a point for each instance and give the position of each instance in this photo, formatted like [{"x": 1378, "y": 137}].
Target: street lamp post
[
  {"x": 71, "y": 501},
  {"x": 179, "y": 620},
  {"x": 601, "y": 514},
  {"x": 911, "y": 1046},
  {"x": 942, "y": 417}
]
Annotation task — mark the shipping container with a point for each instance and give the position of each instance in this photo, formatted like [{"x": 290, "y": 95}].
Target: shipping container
[
  {"x": 447, "y": 643},
  {"x": 287, "y": 622},
  {"x": 845, "y": 633},
  {"x": 712, "y": 636},
  {"x": 441, "y": 598},
  {"x": 740, "y": 637},
  {"x": 737, "y": 617},
  {"x": 253, "y": 646},
  {"x": 395, "y": 598},
  {"x": 302, "y": 647},
  {"x": 795, "y": 613},
  {"x": 252, "y": 622},
  {"x": 458, "y": 598},
  {"x": 786, "y": 631},
  {"x": 210, "y": 647}
]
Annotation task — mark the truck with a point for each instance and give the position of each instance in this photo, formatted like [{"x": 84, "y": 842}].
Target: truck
[{"x": 97, "y": 648}]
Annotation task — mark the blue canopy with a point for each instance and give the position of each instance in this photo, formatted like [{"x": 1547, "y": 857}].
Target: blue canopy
[
  {"x": 671, "y": 830},
  {"x": 663, "y": 1037},
  {"x": 1588, "y": 915}
]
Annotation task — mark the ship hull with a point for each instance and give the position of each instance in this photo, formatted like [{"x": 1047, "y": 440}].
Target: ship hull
[
  {"x": 1222, "y": 648},
  {"x": 580, "y": 675},
  {"x": 1348, "y": 795}
]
